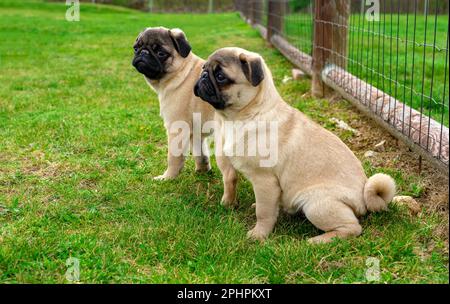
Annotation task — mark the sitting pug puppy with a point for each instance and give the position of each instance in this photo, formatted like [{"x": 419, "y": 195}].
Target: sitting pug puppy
[
  {"x": 165, "y": 59},
  {"x": 315, "y": 172}
]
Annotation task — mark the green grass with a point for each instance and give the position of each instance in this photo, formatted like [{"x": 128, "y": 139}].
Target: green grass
[
  {"x": 81, "y": 139},
  {"x": 385, "y": 62}
]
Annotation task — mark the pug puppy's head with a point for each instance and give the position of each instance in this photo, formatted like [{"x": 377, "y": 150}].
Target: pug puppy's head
[
  {"x": 231, "y": 78},
  {"x": 160, "y": 51}
]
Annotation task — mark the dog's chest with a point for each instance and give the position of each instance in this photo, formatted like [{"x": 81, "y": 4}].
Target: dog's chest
[
  {"x": 237, "y": 150},
  {"x": 167, "y": 110}
]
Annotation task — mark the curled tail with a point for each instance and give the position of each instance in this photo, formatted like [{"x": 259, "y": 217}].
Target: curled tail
[{"x": 379, "y": 192}]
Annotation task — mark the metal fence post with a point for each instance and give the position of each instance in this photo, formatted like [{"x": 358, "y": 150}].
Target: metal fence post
[
  {"x": 330, "y": 39},
  {"x": 210, "y": 6},
  {"x": 257, "y": 11},
  {"x": 150, "y": 6},
  {"x": 246, "y": 11},
  {"x": 251, "y": 11},
  {"x": 275, "y": 14}
]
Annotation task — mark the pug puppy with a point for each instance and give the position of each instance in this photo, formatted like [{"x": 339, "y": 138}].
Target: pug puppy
[
  {"x": 171, "y": 69},
  {"x": 315, "y": 172}
]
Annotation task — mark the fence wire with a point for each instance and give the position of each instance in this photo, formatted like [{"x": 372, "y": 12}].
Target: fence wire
[{"x": 389, "y": 55}]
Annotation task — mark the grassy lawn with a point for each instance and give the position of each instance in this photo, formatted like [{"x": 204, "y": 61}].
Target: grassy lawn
[
  {"x": 81, "y": 139},
  {"x": 379, "y": 54}
]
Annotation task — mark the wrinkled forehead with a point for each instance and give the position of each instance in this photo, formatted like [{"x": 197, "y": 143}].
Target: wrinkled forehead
[
  {"x": 155, "y": 36},
  {"x": 227, "y": 61}
]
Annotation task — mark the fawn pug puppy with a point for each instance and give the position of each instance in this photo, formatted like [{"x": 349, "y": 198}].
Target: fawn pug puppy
[
  {"x": 169, "y": 66},
  {"x": 316, "y": 173}
]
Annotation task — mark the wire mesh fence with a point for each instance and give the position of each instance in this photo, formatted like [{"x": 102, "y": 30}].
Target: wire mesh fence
[
  {"x": 389, "y": 57},
  {"x": 171, "y": 6}
]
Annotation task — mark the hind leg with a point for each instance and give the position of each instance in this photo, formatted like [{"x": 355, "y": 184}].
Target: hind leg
[{"x": 333, "y": 217}]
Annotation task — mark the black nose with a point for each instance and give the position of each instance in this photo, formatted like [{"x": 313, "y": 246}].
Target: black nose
[{"x": 145, "y": 52}]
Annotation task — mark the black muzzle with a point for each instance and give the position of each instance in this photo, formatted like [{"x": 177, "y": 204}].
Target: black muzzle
[
  {"x": 147, "y": 63},
  {"x": 207, "y": 90}
]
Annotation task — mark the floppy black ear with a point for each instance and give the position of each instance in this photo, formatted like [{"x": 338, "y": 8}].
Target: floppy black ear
[
  {"x": 252, "y": 68},
  {"x": 180, "y": 42}
]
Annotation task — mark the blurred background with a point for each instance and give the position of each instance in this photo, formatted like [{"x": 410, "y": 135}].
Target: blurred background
[
  {"x": 180, "y": 6},
  {"x": 205, "y": 6}
]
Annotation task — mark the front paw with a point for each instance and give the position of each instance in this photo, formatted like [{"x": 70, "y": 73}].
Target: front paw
[
  {"x": 257, "y": 234},
  {"x": 228, "y": 202},
  {"x": 164, "y": 177}
]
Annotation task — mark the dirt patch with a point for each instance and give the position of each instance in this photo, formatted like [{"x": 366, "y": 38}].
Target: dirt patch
[{"x": 396, "y": 156}]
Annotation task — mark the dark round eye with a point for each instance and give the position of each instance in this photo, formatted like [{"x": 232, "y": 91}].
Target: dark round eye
[
  {"x": 161, "y": 54},
  {"x": 220, "y": 77},
  {"x": 135, "y": 49}
]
